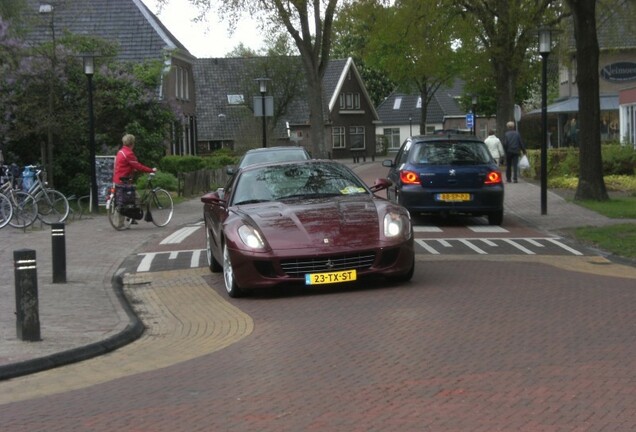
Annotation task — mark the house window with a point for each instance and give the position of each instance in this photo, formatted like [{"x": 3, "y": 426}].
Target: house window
[
  {"x": 397, "y": 103},
  {"x": 393, "y": 138},
  {"x": 349, "y": 100},
  {"x": 356, "y": 134},
  {"x": 338, "y": 137},
  {"x": 181, "y": 84}
]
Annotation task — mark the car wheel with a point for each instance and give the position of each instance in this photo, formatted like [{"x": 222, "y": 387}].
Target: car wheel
[
  {"x": 231, "y": 287},
  {"x": 214, "y": 265},
  {"x": 406, "y": 276},
  {"x": 496, "y": 218}
]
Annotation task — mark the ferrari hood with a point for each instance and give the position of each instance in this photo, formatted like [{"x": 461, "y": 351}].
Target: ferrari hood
[{"x": 320, "y": 223}]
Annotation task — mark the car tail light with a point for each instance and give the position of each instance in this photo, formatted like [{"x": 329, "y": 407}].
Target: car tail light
[
  {"x": 493, "y": 177},
  {"x": 409, "y": 177}
]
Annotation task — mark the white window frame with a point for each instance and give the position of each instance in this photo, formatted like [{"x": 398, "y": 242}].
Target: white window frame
[{"x": 338, "y": 137}]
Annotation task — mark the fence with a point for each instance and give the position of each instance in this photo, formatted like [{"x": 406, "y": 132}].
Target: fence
[{"x": 201, "y": 181}]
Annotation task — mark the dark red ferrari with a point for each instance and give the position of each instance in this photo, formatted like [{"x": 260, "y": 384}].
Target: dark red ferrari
[{"x": 307, "y": 222}]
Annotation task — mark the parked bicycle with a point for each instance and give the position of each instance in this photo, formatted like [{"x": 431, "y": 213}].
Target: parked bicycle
[
  {"x": 25, "y": 207},
  {"x": 124, "y": 207},
  {"x": 52, "y": 205},
  {"x": 6, "y": 210}
]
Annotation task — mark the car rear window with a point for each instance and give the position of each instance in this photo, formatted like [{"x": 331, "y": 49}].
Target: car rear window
[{"x": 449, "y": 153}]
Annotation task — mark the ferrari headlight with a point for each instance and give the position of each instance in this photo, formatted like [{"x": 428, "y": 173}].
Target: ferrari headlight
[
  {"x": 251, "y": 237},
  {"x": 393, "y": 225}
]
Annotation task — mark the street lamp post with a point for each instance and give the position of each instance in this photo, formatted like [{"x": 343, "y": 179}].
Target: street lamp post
[
  {"x": 46, "y": 151},
  {"x": 545, "y": 43},
  {"x": 262, "y": 83},
  {"x": 474, "y": 101},
  {"x": 89, "y": 71}
]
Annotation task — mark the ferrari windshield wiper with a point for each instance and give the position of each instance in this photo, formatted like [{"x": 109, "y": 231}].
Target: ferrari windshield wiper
[{"x": 252, "y": 201}]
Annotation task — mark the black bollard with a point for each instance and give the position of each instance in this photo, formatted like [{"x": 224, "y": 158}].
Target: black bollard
[
  {"x": 58, "y": 249},
  {"x": 26, "y": 295}
]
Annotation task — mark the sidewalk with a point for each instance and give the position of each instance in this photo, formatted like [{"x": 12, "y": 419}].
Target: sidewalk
[{"x": 88, "y": 316}]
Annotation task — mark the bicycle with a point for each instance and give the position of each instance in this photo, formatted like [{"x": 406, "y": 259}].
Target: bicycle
[
  {"x": 25, "y": 207},
  {"x": 156, "y": 201},
  {"x": 52, "y": 205},
  {"x": 6, "y": 210}
]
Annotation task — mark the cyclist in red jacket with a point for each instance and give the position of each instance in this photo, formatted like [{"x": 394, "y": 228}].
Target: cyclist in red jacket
[{"x": 126, "y": 162}]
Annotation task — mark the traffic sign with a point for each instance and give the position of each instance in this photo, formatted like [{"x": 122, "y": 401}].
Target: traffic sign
[{"x": 470, "y": 118}]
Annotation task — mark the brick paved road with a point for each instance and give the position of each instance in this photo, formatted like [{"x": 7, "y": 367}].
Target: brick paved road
[{"x": 529, "y": 345}]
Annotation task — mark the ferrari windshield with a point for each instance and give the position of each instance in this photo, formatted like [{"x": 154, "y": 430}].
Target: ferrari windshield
[{"x": 302, "y": 180}]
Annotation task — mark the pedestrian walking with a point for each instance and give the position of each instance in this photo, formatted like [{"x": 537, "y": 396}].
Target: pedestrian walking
[
  {"x": 495, "y": 147},
  {"x": 513, "y": 145}
]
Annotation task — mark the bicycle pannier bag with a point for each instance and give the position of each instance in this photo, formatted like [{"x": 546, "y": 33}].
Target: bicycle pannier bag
[
  {"x": 124, "y": 195},
  {"x": 132, "y": 212}
]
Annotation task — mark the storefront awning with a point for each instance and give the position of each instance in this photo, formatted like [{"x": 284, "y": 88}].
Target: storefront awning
[{"x": 571, "y": 105}]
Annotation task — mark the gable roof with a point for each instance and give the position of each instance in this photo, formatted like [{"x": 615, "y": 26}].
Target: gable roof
[
  {"x": 217, "y": 78},
  {"x": 139, "y": 34},
  {"x": 401, "y": 108},
  {"x": 336, "y": 74}
]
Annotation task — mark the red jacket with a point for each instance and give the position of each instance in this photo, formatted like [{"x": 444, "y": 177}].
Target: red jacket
[{"x": 126, "y": 164}]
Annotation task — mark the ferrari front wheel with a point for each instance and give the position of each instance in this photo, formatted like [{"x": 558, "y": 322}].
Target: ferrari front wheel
[{"x": 231, "y": 287}]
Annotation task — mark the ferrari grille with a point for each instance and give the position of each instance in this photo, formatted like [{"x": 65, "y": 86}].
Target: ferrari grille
[{"x": 301, "y": 266}]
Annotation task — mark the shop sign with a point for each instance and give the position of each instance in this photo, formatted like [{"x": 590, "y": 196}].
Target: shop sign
[{"x": 619, "y": 72}]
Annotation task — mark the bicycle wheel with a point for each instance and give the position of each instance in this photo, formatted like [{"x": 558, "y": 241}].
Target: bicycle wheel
[
  {"x": 52, "y": 206},
  {"x": 160, "y": 207},
  {"x": 116, "y": 219},
  {"x": 25, "y": 209},
  {"x": 6, "y": 210}
]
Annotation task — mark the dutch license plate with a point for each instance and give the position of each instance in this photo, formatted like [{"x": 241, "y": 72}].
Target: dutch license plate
[
  {"x": 330, "y": 277},
  {"x": 453, "y": 197}
]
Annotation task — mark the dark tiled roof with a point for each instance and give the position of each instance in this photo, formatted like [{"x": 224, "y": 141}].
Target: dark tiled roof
[
  {"x": 616, "y": 25},
  {"x": 139, "y": 34},
  {"x": 443, "y": 103},
  {"x": 218, "y": 77}
]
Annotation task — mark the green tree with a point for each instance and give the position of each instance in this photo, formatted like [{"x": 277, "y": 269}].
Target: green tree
[
  {"x": 351, "y": 34},
  {"x": 412, "y": 42},
  {"x": 125, "y": 99},
  {"x": 506, "y": 33}
]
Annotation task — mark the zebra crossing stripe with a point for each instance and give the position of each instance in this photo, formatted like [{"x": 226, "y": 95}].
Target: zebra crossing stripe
[
  {"x": 518, "y": 246},
  {"x": 473, "y": 247},
  {"x": 179, "y": 235},
  {"x": 146, "y": 261},
  {"x": 428, "y": 248},
  {"x": 194, "y": 259},
  {"x": 567, "y": 248}
]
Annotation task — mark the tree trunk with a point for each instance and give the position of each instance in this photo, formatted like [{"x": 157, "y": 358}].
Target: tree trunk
[
  {"x": 505, "y": 97},
  {"x": 591, "y": 184}
]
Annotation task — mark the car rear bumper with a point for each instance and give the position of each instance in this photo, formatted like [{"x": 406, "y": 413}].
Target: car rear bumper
[{"x": 482, "y": 201}]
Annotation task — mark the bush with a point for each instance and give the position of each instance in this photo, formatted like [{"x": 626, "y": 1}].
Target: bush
[
  {"x": 163, "y": 180},
  {"x": 618, "y": 160},
  {"x": 564, "y": 162},
  {"x": 178, "y": 164},
  {"x": 220, "y": 159}
]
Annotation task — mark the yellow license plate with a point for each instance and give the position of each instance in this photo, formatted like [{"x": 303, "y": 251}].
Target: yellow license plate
[
  {"x": 453, "y": 197},
  {"x": 330, "y": 277}
]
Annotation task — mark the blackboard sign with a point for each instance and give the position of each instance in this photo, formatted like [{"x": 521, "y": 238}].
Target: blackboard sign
[{"x": 104, "y": 167}]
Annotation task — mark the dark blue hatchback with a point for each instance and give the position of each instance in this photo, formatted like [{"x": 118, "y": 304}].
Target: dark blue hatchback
[{"x": 447, "y": 174}]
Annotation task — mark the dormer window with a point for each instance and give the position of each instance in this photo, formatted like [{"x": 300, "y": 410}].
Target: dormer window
[{"x": 235, "y": 99}]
